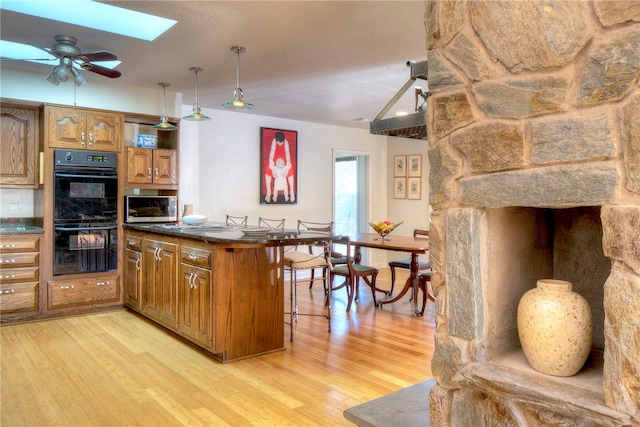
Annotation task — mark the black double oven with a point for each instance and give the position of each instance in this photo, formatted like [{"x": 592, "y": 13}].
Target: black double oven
[{"x": 85, "y": 212}]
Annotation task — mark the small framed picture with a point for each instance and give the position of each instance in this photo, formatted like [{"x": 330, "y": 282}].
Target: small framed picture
[
  {"x": 399, "y": 188},
  {"x": 413, "y": 188},
  {"x": 399, "y": 166},
  {"x": 415, "y": 165}
]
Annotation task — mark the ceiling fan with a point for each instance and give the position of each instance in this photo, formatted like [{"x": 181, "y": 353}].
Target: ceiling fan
[{"x": 66, "y": 51}]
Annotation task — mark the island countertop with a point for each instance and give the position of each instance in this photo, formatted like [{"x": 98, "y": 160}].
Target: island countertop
[{"x": 220, "y": 233}]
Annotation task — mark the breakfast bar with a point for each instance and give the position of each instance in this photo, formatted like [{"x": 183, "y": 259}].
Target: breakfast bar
[{"x": 221, "y": 288}]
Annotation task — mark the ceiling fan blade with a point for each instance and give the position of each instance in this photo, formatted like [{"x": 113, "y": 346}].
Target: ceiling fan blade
[
  {"x": 103, "y": 71},
  {"x": 98, "y": 56}
]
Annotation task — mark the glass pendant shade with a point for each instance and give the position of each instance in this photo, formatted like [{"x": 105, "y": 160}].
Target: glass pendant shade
[
  {"x": 238, "y": 103},
  {"x": 196, "y": 116},
  {"x": 164, "y": 119}
]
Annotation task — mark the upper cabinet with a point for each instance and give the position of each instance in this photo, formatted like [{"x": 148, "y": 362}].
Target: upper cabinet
[
  {"x": 18, "y": 147},
  {"x": 151, "y": 168},
  {"x": 80, "y": 129}
]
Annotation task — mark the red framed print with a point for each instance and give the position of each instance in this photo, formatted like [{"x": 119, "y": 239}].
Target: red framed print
[{"x": 278, "y": 166}]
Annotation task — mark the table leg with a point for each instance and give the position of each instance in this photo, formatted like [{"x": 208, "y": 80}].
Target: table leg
[{"x": 411, "y": 283}]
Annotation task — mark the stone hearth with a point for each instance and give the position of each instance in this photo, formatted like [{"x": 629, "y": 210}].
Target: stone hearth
[{"x": 534, "y": 151}]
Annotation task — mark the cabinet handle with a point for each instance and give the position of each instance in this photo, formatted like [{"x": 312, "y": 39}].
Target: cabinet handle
[
  {"x": 131, "y": 243},
  {"x": 102, "y": 283},
  {"x": 90, "y": 138},
  {"x": 81, "y": 138},
  {"x": 8, "y": 261},
  {"x": 138, "y": 264},
  {"x": 149, "y": 173},
  {"x": 66, "y": 286},
  {"x": 158, "y": 254},
  {"x": 157, "y": 173},
  {"x": 192, "y": 257},
  {"x": 192, "y": 280},
  {"x": 7, "y": 291},
  {"x": 9, "y": 276},
  {"x": 8, "y": 246}
]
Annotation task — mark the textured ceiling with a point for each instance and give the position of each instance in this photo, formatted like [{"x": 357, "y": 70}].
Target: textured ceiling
[{"x": 329, "y": 62}]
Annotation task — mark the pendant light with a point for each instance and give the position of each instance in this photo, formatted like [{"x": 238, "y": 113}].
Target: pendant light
[
  {"x": 238, "y": 104},
  {"x": 164, "y": 119},
  {"x": 196, "y": 116}
]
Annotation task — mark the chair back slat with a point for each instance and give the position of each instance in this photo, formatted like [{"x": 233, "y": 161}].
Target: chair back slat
[
  {"x": 237, "y": 220},
  {"x": 271, "y": 223}
]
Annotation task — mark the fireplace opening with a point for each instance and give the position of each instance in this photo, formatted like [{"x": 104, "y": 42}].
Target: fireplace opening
[{"x": 527, "y": 244}]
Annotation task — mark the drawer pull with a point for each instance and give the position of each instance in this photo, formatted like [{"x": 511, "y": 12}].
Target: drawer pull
[
  {"x": 8, "y": 246},
  {"x": 192, "y": 257},
  {"x": 131, "y": 243},
  {"x": 66, "y": 286},
  {"x": 103, "y": 283},
  {"x": 7, "y": 291},
  {"x": 9, "y": 276},
  {"x": 8, "y": 261}
]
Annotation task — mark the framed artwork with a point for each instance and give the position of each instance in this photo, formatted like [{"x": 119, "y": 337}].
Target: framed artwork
[
  {"x": 413, "y": 188},
  {"x": 399, "y": 188},
  {"x": 414, "y": 165},
  {"x": 278, "y": 166},
  {"x": 399, "y": 165}
]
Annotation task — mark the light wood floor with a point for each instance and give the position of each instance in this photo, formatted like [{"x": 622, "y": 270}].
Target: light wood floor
[{"x": 117, "y": 369}]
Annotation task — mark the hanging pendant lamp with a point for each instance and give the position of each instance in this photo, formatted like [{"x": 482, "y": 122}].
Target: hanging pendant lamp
[
  {"x": 238, "y": 104},
  {"x": 196, "y": 116},
  {"x": 164, "y": 119}
]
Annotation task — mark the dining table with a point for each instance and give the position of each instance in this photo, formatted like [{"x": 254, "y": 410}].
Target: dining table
[{"x": 414, "y": 245}]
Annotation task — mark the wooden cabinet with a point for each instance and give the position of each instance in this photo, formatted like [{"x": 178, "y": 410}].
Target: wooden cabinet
[
  {"x": 79, "y": 129},
  {"x": 82, "y": 291},
  {"x": 152, "y": 166},
  {"x": 133, "y": 272},
  {"x": 159, "y": 281},
  {"x": 195, "y": 298},
  {"x": 18, "y": 147},
  {"x": 19, "y": 273}
]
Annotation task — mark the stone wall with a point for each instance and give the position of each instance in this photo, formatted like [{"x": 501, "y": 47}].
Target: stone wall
[{"x": 534, "y": 104}]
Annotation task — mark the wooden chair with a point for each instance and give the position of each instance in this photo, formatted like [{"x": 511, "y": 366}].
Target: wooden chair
[
  {"x": 297, "y": 260},
  {"x": 352, "y": 273},
  {"x": 336, "y": 258},
  {"x": 271, "y": 223},
  {"x": 423, "y": 283},
  {"x": 237, "y": 220},
  {"x": 406, "y": 263}
]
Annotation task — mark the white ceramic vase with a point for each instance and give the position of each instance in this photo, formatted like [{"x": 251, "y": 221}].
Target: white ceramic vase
[{"x": 555, "y": 327}]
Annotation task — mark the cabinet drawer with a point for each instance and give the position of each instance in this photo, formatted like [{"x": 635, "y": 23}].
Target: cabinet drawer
[
  {"x": 11, "y": 244},
  {"x": 26, "y": 259},
  {"x": 69, "y": 293},
  {"x": 196, "y": 257},
  {"x": 18, "y": 297},
  {"x": 133, "y": 242},
  {"x": 17, "y": 275}
]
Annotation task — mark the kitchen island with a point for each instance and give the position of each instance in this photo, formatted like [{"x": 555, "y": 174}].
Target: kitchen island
[{"x": 221, "y": 288}]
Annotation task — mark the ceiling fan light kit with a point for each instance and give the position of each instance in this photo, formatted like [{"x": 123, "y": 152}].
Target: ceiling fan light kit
[
  {"x": 196, "y": 116},
  {"x": 238, "y": 103},
  {"x": 164, "y": 119}
]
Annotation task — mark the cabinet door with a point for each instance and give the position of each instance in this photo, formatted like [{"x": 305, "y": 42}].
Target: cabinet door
[
  {"x": 139, "y": 165},
  {"x": 195, "y": 304},
  {"x": 66, "y": 128},
  {"x": 104, "y": 131},
  {"x": 18, "y": 147},
  {"x": 133, "y": 279},
  {"x": 160, "y": 281},
  {"x": 165, "y": 167}
]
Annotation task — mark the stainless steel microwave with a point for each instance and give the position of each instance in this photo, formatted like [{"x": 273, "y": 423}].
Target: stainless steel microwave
[{"x": 151, "y": 208}]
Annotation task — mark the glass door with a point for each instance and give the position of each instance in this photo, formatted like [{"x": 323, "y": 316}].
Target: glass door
[{"x": 350, "y": 193}]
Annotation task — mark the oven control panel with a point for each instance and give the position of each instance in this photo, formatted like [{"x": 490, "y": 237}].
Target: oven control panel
[{"x": 85, "y": 158}]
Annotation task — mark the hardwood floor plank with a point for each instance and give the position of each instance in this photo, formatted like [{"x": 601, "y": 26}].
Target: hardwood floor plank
[{"x": 118, "y": 369}]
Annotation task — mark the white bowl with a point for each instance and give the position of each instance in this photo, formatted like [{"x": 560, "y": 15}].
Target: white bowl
[{"x": 194, "y": 219}]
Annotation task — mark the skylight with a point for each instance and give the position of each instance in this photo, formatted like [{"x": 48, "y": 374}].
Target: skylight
[{"x": 94, "y": 15}]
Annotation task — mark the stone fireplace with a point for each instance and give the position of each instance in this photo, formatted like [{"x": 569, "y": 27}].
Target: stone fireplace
[{"x": 534, "y": 151}]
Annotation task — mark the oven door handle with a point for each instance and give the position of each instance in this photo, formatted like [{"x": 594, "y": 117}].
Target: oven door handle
[
  {"x": 106, "y": 227},
  {"x": 98, "y": 176}
]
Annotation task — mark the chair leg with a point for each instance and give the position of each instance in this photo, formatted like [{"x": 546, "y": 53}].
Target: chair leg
[
  {"x": 313, "y": 270},
  {"x": 393, "y": 278},
  {"x": 327, "y": 295},
  {"x": 350, "y": 293},
  {"x": 291, "y": 305}
]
